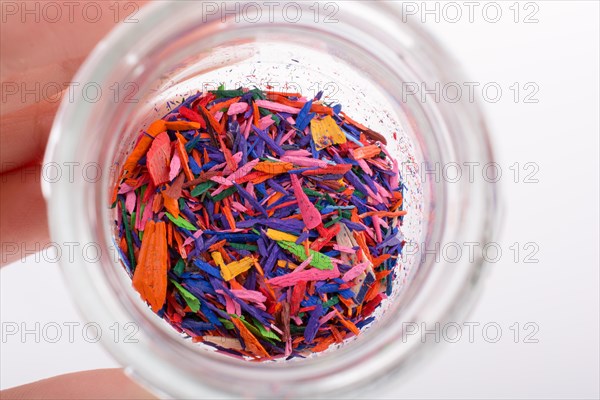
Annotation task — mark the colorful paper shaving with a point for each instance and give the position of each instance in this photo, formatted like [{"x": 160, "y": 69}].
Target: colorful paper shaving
[{"x": 260, "y": 223}]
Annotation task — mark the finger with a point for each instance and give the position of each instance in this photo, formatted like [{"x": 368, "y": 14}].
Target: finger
[
  {"x": 24, "y": 134},
  {"x": 50, "y": 50},
  {"x": 39, "y": 57},
  {"x": 22, "y": 212},
  {"x": 96, "y": 384}
]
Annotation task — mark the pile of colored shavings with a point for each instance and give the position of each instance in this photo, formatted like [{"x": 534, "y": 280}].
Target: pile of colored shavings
[{"x": 260, "y": 223}]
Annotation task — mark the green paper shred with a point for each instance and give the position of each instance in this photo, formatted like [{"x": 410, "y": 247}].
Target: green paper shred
[
  {"x": 132, "y": 223},
  {"x": 319, "y": 260},
  {"x": 142, "y": 208},
  {"x": 243, "y": 246},
  {"x": 332, "y": 222},
  {"x": 191, "y": 300},
  {"x": 226, "y": 323},
  {"x": 224, "y": 193},
  {"x": 258, "y": 94},
  {"x": 221, "y": 92},
  {"x": 263, "y": 332},
  {"x": 128, "y": 235},
  {"x": 331, "y": 302},
  {"x": 182, "y": 223},
  {"x": 297, "y": 329},
  {"x": 202, "y": 188},
  {"x": 329, "y": 199},
  {"x": 310, "y": 192},
  {"x": 345, "y": 214},
  {"x": 264, "y": 112},
  {"x": 248, "y": 325},
  {"x": 179, "y": 267}
]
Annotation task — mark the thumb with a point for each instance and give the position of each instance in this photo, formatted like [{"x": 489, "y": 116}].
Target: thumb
[{"x": 96, "y": 384}]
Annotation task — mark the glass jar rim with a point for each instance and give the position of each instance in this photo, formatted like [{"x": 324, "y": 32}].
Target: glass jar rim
[{"x": 89, "y": 286}]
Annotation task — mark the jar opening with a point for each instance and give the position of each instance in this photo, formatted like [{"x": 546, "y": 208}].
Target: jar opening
[{"x": 358, "y": 63}]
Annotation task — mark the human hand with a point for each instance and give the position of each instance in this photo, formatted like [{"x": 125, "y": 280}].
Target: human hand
[{"x": 39, "y": 56}]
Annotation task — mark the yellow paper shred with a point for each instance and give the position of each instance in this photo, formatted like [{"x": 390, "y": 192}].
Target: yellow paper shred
[
  {"x": 286, "y": 264},
  {"x": 274, "y": 234},
  {"x": 237, "y": 267},
  {"x": 326, "y": 132},
  {"x": 218, "y": 259}
]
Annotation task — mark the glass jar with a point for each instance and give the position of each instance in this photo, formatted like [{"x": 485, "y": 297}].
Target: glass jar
[{"x": 363, "y": 56}]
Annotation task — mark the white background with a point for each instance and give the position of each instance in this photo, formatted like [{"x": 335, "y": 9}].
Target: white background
[{"x": 560, "y": 293}]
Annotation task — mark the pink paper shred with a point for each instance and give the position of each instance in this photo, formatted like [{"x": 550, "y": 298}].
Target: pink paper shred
[
  {"x": 269, "y": 105},
  {"x": 355, "y": 271},
  {"x": 237, "y": 108},
  {"x": 308, "y": 275},
  {"x": 130, "y": 201},
  {"x": 310, "y": 214},
  {"x": 175, "y": 167}
]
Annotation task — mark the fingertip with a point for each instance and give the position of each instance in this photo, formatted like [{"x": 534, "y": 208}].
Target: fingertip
[{"x": 95, "y": 384}]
